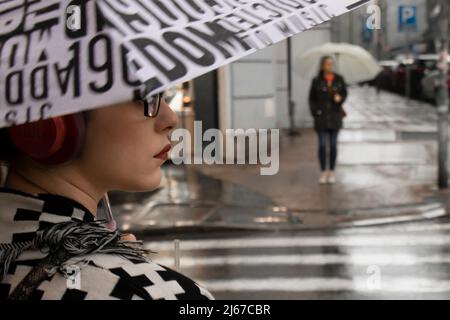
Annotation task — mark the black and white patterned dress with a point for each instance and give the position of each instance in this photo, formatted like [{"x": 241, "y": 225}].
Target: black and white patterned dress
[{"x": 102, "y": 276}]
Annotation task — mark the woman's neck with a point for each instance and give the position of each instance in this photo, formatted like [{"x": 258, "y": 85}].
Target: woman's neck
[{"x": 38, "y": 181}]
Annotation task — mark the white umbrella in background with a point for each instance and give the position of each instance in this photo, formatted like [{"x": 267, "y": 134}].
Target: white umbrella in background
[{"x": 354, "y": 63}]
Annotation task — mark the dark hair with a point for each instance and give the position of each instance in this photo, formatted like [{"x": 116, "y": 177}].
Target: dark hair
[
  {"x": 322, "y": 61},
  {"x": 7, "y": 150}
]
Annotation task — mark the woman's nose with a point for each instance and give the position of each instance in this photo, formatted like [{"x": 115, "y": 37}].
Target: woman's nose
[{"x": 167, "y": 119}]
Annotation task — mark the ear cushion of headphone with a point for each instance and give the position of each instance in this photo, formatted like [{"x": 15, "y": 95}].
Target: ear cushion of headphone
[
  {"x": 74, "y": 137},
  {"x": 40, "y": 139},
  {"x": 50, "y": 142}
]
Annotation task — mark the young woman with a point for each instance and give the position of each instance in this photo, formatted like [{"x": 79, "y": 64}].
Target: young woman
[
  {"x": 57, "y": 176},
  {"x": 328, "y": 93}
]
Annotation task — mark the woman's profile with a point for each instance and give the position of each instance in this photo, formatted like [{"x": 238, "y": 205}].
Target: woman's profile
[{"x": 58, "y": 171}]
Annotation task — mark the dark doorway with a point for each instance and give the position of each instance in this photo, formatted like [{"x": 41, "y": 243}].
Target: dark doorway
[{"x": 206, "y": 100}]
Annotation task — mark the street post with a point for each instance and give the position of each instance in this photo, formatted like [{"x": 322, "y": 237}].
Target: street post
[{"x": 442, "y": 37}]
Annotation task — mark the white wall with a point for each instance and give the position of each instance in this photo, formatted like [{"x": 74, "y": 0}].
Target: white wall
[
  {"x": 247, "y": 92},
  {"x": 281, "y": 84}
]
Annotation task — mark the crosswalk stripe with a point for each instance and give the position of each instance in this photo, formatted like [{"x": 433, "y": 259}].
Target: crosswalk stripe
[
  {"x": 379, "y": 259},
  {"x": 404, "y": 218},
  {"x": 338, "y": 241},
  {"x": 397, "y": 228},
  {"x": 359, "y": 284}
]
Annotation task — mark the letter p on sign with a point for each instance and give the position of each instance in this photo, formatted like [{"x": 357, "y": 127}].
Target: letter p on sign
[{"x": 408, "y": 14}]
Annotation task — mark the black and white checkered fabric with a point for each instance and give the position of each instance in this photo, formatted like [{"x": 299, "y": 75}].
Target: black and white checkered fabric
[{"x": 102, "y": 276}]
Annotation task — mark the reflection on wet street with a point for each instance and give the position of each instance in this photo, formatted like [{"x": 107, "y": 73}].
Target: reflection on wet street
[
  {"x": 188, "y": 198},
  {"x": 408, "y": 261}
]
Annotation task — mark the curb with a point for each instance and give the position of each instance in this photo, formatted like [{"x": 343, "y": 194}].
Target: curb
[{"x": 202, "y": 228}]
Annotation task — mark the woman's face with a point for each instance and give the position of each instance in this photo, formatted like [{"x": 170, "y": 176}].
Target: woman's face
[
  {"x": 327, "y": 66},
  {"x": 123, "y": 148}
]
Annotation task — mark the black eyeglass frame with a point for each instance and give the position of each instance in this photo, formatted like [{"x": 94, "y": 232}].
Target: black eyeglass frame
[{"x": 156, "y": 100}]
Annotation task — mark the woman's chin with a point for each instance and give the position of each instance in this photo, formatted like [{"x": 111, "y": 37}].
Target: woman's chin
[
  {"x": 152, "y": 182},
  {"x": 144, "y": 184}
]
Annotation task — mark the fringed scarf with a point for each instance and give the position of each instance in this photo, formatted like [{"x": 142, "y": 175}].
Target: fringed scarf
[{"x": 75, "y": 238}]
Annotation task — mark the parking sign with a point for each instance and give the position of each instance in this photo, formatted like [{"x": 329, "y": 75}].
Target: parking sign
[{"x": 407, "y": 18}]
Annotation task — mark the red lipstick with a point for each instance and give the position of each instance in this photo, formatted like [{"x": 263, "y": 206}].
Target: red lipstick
[{"x": 164, "y": 154}]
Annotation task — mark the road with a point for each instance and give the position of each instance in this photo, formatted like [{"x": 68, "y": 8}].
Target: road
[{"x": 397, "y": 261}]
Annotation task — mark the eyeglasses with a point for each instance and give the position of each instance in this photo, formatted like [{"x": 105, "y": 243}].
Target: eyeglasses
[{"x": 152, "y": 105}]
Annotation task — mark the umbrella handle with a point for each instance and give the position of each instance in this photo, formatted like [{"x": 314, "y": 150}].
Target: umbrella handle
[
  {"x": 337, "y": 63},
  {"x": 110, "y": 221}
]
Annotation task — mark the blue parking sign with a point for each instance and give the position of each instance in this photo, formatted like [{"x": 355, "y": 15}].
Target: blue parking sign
[{"x": 407, "y": 17}]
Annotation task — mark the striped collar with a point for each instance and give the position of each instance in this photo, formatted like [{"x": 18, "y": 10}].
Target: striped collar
[{"x": 22, "y": 215}]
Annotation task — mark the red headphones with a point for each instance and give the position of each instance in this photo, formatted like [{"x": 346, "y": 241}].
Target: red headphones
[{"x": 53, "y": 141}]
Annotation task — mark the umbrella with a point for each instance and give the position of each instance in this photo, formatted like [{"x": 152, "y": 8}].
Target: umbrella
[
  {"x": 59, "y": 57},
  {"x": 354, "y": 63}
]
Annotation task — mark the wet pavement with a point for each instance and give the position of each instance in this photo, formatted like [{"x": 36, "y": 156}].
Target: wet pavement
[{"x": 191, "y": 201}]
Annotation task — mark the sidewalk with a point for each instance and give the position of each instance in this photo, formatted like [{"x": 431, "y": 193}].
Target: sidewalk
[{"x": 387, "y": 173}]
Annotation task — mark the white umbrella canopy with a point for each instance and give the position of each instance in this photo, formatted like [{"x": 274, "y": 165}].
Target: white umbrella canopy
[
  {"x": 354, "y": 63},
  {"x": 59, "y": 57}
]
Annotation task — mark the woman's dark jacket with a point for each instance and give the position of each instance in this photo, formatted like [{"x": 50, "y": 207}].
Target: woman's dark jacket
[{"x": 326, "y": 113}]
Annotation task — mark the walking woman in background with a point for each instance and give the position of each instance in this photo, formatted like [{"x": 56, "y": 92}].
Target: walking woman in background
[{"x": 327, "y": 95}]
